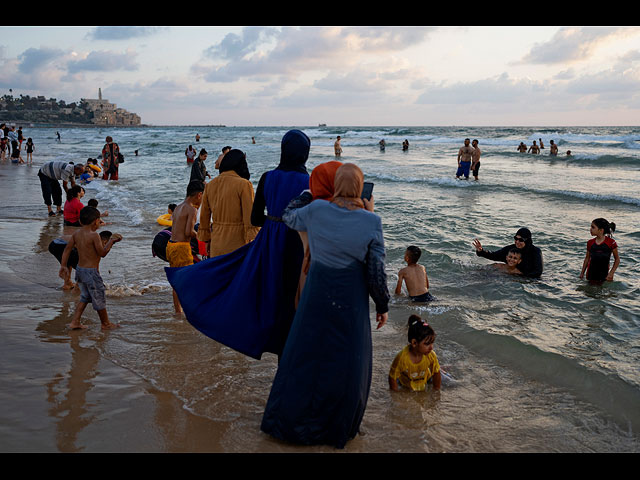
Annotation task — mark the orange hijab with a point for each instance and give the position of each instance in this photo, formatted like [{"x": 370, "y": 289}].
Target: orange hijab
[
  {"x": 348, "y": 184},
  {"x": 322, "y": 178}
]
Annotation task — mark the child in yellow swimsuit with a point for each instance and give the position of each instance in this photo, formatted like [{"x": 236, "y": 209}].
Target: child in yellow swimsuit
[{"x": 417, "y": 363}]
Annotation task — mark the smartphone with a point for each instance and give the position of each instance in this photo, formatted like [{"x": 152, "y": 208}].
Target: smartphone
[{"x": 367, "y": 190}]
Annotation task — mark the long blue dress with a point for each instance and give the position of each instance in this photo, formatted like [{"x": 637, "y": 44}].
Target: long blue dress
[
  {"x": 321, "y": 388},
  {"x": 239, "y": 299}
]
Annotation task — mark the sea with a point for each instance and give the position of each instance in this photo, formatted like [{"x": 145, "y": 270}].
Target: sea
[{"x": 533, "y": 365}]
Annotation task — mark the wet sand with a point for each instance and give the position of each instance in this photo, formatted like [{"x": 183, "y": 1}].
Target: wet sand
[{"x": 57, "y": 392}]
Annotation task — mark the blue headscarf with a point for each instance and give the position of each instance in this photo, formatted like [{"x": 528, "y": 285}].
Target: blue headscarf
[{"x": 294, "y": 151}]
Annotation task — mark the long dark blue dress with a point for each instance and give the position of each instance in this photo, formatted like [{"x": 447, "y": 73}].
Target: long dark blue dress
[
  {"x": 241, "y": 299},
  {"x": 321, "y": 388}
]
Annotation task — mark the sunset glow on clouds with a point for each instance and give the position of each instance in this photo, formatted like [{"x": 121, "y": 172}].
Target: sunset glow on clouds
[{"x": 335, "y": 75}]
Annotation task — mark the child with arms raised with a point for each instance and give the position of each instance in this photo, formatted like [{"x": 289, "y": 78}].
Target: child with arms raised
[{"x": 90, "y": 251}]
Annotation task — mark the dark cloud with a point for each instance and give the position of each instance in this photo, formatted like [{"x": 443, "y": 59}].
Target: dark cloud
[
  {"x": 122, "y": 33},
  {"x": 34, "y": 59},
  {"x": 104, "y": 61}
]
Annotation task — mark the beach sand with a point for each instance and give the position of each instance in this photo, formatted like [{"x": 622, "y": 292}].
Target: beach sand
[{"x": 58, "y": 393}]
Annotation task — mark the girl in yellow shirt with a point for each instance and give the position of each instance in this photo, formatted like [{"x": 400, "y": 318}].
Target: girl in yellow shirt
[{"x": 416, "y": 363}]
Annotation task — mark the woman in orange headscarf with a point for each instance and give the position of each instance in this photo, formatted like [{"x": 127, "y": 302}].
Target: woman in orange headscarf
[
  {"x": 321, "y": 186},
  {"x": 321, "y": 388}
]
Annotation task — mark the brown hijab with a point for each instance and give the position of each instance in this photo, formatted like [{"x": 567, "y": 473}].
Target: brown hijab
[{"x": 348, "y": 184}]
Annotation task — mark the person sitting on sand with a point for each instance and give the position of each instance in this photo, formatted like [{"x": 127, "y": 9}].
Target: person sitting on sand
[
  {"x": 90, "y": 252},
  {"x": 414, "y": 277},
  {"x": 514, "y": 257},
  {"x": 183, "y": 230}
]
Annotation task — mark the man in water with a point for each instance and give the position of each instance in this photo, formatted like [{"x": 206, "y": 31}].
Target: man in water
[
  {"x": 553, "y": 149},
  {"x": 534, "y": 148},
  {"x": 465, "y": 155},
  {"x": 337, "y": 147},
  {"x": 475, "y": 165}
]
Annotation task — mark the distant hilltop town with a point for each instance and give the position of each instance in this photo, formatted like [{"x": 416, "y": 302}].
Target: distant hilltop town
[{"x": 89, "y": 111}]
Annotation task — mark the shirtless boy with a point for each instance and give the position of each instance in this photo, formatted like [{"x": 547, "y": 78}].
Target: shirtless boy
[
  {"x": 465, "y": 155},
  {"x": 183, "y": 230},
  {"x": 414, "y": 277},
  {"x": 337, "y": 148},
  {"x": 514, "y": 257},
  {"x": 90, "y": 251}
]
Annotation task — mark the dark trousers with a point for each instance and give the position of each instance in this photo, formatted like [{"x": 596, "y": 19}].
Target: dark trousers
[{"x": 50, "y": 189}]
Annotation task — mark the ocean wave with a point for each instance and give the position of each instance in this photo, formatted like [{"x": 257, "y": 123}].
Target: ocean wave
[
  {"x": 136, "y": 290},
  {"x": 455, "y": 183}
]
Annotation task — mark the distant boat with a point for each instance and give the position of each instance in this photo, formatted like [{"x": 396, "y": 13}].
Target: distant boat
[{"x": 322, "y": 124}]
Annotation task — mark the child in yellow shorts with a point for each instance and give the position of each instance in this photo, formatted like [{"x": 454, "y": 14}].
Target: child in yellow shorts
[
  {"x": 183, "y": 230},
  {"x": 417, "y": 363}
]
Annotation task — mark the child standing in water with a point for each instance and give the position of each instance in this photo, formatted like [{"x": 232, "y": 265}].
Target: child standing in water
[
  {"x": 183, "y": 230},
  {"x": 30, "y": 149},
  {"x": 599, "y": 250},
  {"x": 414, "y": 277},
  {"x": 417, "y": 363},
  {"x": 90, "y": 252}
]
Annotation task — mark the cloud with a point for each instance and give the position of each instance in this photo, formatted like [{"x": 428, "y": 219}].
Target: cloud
[
  {"x": 572, "y": 44},
  {"x": 501, "y": 89},
  {"x": 34, "y": 59},
  {"x": 104, "y": 61},
  {"x": 235, "y": 47},
  {"x": 260, "y": 52},
  {"x": 121, "y": 33}
]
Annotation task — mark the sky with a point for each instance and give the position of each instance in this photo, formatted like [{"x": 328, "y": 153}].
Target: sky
[{"x": 356, "y": 76}]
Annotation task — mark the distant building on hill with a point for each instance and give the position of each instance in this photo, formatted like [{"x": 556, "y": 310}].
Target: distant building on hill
[{"x": 107, "y": 113}]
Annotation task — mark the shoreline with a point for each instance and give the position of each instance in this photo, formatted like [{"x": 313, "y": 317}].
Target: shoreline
[{"x": 58, "y": 392}]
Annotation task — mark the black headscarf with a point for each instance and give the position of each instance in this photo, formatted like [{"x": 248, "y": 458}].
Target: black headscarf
[
  {"x": 235, "y": 160},
  {"x": 526, "y": 234},
  {"x": 294, "y": 151}
]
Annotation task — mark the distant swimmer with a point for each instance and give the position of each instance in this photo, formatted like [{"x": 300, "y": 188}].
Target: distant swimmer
[
  {"x": 475, "y": 164},
  {"x": 337, "y": 147},
  {"x": 553, "y": 149},
  {"x": 405, "y": 145},
  {"x": 197, "y": 137},
  {"x": 382, "y": 144},
  {"x": 568, "y": 153},
  {"x": 541, "y": 144},
  {"x": 522, "y": 148},
  {"x": 465, "y": 155},
  {"x": 534, "y": 148}
]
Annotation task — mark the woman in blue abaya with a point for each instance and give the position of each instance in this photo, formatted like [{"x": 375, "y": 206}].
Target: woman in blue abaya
[
  {"x": 245, "y": 299},
  {"x": 321, "y": 388}
]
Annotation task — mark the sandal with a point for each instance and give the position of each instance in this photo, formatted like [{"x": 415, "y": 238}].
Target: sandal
[{"x": 52, "y": 214}]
